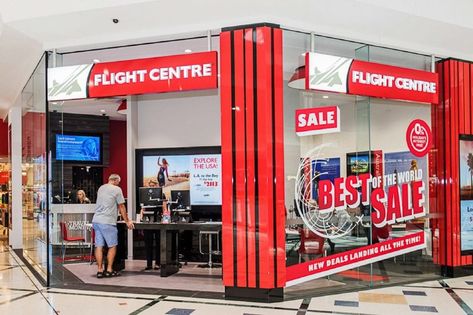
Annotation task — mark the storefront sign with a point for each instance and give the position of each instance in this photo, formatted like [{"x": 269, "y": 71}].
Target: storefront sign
[
  {"x": 419, "y": 137},
  {"x": 131, "y": 77},
  {"x": 315, "y": 121},
  {"x": 350, "y": 76},
  {"x": 325, "y": 266}
]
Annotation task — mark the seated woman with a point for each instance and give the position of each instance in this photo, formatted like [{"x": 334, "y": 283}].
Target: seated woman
[{"x": 81, "y": 197}]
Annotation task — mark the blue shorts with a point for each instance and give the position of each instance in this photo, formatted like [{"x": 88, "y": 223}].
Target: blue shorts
[{"x": 105, "y": 234}]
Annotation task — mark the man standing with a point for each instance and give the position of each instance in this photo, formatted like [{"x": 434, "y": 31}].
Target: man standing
[{"x": 109, "y": 200}]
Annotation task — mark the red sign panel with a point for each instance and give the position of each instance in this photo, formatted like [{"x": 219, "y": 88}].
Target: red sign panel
[
  {"x": 320, "y": 120},
  {"x": 384, "y": 81},
  {"x": 324, "y": 266},
  {"x": 154, "y": 75},
  {"x": 345, "y": 75},
  {"x": 419, "y": 137}
]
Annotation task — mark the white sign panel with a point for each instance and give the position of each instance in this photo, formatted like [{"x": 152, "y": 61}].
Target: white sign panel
[
  {"x": 68, "y": 83},
  {"x": 327, "y": 73}
]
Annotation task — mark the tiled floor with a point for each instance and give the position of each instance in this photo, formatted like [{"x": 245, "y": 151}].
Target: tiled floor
[
  {"x": 21, "y": 293},
  {"x": 208, "y": 280}
]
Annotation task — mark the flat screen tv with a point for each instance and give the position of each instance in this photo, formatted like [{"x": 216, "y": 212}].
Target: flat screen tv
[
  {"x": 194, "y": 172},
  {"x": 79, "y": 148}
]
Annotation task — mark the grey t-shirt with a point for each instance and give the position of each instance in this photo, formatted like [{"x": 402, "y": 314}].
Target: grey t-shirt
[{"x": 108, "y": 198}]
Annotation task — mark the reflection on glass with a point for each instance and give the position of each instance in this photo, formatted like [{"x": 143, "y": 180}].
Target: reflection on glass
[{"x": 34, "y": 171}]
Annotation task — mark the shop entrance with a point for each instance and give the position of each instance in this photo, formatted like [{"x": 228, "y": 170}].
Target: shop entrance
[
  {"x": 166, "y": 149},
  {"x": 185, "y": 176}
]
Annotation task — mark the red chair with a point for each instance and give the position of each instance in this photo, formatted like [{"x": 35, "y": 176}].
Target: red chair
[
  {"x": 68, "y": 239},
  {"x": 311, "y": 243}
]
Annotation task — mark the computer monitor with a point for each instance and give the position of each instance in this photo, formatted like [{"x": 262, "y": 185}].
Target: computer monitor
[
  {"x": 181, "y": 199},
  {"x": 151, "y": 196}
]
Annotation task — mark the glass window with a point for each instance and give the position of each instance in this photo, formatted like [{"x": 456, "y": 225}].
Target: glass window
[
  {"x": 371, "y": 140},
  {"x": 34, "y": 161}
]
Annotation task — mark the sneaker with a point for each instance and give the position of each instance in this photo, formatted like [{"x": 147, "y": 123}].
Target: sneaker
[
  {"x": 157, "y": 267},
  {"x": 148, "y": 268}
]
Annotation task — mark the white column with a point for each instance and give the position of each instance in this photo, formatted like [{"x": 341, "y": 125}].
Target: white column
[
  {"x": 16, "y": 232},
  {"x": 131, "y": 141}
]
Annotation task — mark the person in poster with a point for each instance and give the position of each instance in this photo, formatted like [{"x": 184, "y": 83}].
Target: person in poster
[{"x": 163, "y": 169}]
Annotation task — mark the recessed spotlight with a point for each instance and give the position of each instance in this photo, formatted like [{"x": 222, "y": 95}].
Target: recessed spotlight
[
  {"x": 96, "y": 61},
  {"x": 102, "y": 110},
  {"x": 325, "y": 96},
  {"x": 188, "y": 51}
]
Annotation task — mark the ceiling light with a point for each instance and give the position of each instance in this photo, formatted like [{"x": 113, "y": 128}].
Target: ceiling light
[
  {"x": 102, "y": 110},
  {"x": 188, "y": 51},
  {"x": 325, "y": 96},
  {"x": 96, "y": 61}
]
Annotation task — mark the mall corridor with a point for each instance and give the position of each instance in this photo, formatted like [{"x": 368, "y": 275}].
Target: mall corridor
[{"x": 21, "y": 293}]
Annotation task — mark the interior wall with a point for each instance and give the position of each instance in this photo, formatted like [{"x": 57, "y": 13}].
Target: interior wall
[
  {"x": 185, "y": 119},
  {"x": 117, "y": 162},
  {"x": 3, "y": 138}
]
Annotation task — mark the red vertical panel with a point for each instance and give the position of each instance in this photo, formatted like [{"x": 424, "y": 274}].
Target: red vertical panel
[
  {"x": 468, "y": 113},
  {"x": 279, "y": 143},
  {"x": 227, "y": 180},
  {"x": 250, "y": 157},
  {"x": 470, "y": 88},
  {"x": 454, "y": 153},
  {"x": 239, "y": 130},
  {"x": 438, "y": 129},
  {"x": 448, "y": 194},
  {"x": 466, "y": 97},
  {"x": 266, "y": 252},
  {"x": 253, "y": 158},
  {"x": 461, "y": 103}
]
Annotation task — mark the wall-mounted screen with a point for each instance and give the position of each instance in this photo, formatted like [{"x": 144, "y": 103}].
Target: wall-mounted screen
[
  {"x": 466, "y": 194},
  {"x": 200, "y": 174},
  {"x": 78, "y": 148}
]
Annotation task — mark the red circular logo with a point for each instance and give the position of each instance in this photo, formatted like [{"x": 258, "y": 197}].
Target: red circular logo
[{"x": 419, "y": 137}]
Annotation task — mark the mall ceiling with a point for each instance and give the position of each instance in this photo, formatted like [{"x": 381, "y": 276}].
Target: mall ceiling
[{"x": 28, "y": 27}]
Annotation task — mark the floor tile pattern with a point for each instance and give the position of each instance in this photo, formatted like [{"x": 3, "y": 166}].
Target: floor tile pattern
[{"x": 21, "y": 293}]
